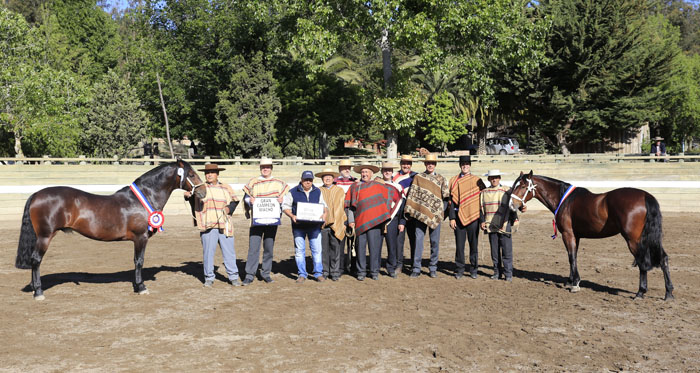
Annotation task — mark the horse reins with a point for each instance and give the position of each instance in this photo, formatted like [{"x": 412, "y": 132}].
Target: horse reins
[
  {"x": 530, "y": 188},
  {"x": 181, "y": 173}
]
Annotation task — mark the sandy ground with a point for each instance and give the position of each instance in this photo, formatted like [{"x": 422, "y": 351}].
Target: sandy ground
[{"x": 92, "y": 321}]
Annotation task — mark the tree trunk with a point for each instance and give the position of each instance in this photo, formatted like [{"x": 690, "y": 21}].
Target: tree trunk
[
  {"x": 561, "y": 137},
  {"x": 18, "y": 146},
  {"x": 482, "y": 131},
  {"x": 392, "y": 148},
  {"x": 165, "y": 114},
  {"x": 324, "y": 145},
  {"x": 391, "y": 135}
]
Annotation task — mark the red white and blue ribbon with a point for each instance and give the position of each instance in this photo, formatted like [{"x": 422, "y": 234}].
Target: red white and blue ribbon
[
  {"x": 554, "y": 221},
  {"x": 155, "y": 218}
]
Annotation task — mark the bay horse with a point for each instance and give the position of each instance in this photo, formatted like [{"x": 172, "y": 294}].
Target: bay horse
[
  {"x": 578, "y": 213},
  {"x": 117, "y": 217}
]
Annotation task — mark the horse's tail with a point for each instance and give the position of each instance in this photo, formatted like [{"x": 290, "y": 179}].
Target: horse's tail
[
  {"x": 650, "y": 251},
  {"x": 27, "y": 239}
]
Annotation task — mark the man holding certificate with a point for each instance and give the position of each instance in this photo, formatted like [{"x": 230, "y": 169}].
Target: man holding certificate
[
  {"x": 263, "y": 196},
  {"x": 307, "y": 209}
]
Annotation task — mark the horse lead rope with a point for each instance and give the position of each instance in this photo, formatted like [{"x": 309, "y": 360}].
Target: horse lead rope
[{"x": 554, "y": 221}]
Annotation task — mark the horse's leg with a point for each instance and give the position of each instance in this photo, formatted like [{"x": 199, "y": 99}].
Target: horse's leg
[
  {"x": 139, "y": 251},
  {"x": 42, "y": 244},
  {"x": 633, "y": 247},
  {"x": 667, "y": 278},
  {"x": 571, "y": 243}
]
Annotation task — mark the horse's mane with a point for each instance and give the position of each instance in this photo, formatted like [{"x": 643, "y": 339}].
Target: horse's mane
[{"x": 563, "y": 185}]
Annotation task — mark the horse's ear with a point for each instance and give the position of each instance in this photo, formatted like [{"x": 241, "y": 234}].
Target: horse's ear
[
  {"x": 531, "y": 174},
  {"x": 521, "y": 174}
]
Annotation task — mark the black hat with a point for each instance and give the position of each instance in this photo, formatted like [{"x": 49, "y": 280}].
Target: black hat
[{"x": 465, "y": 159}]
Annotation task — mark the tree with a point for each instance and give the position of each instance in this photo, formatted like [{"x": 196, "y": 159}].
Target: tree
[
  {"x": 247, "y": 111},
  {"x": 610, "y": 65},
  {"x": 442, "y": 127},
  {"x": 115, "y": 120},
  {"x": 682, "y": 111}
]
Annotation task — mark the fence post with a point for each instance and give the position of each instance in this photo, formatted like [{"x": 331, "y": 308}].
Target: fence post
[
  {"x": 116, "y": 160},
  {"x": 46, "y": 157},
  {"x": 82, "y": 163}
]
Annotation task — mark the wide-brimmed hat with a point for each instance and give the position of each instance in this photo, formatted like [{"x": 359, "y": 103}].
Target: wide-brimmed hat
[
  {"x": 344, "y": 162},
  {"x": 406, "y": 158},
  {"x": 359, "y": 168},
  {"x": 327, "y": 171},
  {"x": 465, "y": 159},
  {"x": 264, "y": 161},
  {"x": 211, "y": 167},
  {"x": 430, "y": 157},
  {"x": 494, "y": 173},
  {"x": 390, "y": 165},
  {"x": 658, "y": 138}
]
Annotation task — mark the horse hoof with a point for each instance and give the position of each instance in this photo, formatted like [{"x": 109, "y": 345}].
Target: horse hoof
[
  {"x": 144, "y": 292},
  {"x": 575, "y": 289},
  {"x": 669, "y": 297},
  {"x": 39, "y": 297}
]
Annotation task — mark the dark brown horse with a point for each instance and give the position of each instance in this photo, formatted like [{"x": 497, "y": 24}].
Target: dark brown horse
[
  {"x": 118, "y": 217},
  {"x": 633, "y": 213}
]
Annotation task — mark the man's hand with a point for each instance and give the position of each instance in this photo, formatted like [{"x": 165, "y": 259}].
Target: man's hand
[
  {"x": 524, "y": 208},
  {"x": 351, "y": 225},
  {"x": 484, "y": 226},
  {"x": 252, "y": 200},
  {"x": 187, "y": 194},
  {"x": 280, "y": 199},
  {"x": 453, "y": 224},
  {"x": 401, "y": 227},
  {"x": 226, "y": 210}
]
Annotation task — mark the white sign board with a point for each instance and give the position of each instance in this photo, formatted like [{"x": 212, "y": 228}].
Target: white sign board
[
  {"x": 309, "y": 211},
  {"x": 266, "y": 211}
]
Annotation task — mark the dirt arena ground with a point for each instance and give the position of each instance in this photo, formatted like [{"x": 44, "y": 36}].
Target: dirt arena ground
[{"x": 92, "y": 321}]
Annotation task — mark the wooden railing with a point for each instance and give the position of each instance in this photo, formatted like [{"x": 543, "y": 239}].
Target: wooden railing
[{"x": 545, "y": 158}]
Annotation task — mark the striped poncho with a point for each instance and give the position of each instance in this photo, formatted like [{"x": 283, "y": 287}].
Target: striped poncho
[
  {"x": 424, "y": 199},
  {"x": 465, "y": 191},
  {"x": 260, "y": 187},
  {"x": 210, "y": 210},
  {"x": 371, "y": 202},
  {"x": 335, "y": 219}
]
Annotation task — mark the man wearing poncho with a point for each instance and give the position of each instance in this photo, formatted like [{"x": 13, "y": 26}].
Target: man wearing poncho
[
  {"x": 464, "y": 211},
  {"x": 333, "y": 232},
  {"x": 407, "y": 227},
  {"x": 213, "y": 221},
  {"x": 263, "y": 186},
  {"x": 369, "y": 205},
  {"x": 426, "y": 202}
]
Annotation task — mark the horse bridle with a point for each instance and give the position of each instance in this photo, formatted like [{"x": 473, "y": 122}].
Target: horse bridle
[
  {"x": 530, "y": 188},
  {"x": 181, "y": 173}
]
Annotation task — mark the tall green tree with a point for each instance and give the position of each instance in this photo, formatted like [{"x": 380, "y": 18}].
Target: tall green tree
[
  {"x": 610, "y": 65},
  {"x": 116, "y": 122},
  {"x": 681, "y": 121},
  {"x": 247, "y": 110},
  {"x": 442, "y": 126}
]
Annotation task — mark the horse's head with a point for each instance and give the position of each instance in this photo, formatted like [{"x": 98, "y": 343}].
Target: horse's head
[
  {"x": 189, "y": 179},
  {"x": 522, "y": 191}
]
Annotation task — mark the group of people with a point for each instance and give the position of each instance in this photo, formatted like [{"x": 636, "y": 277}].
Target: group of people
[{"x": 384, "y": 205}]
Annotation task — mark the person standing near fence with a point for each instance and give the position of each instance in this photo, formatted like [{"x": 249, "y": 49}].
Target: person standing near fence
[
  {"x": 426, "y": 202},
  {"x": 395, "y": 225},
  {"x": 306, "y": 192},
  {"x": 369, "y": 208},
  {"x": 407, "y": 225},
  {"x": 464, "y": 212},
  {"x": 263, "y": 186},
  {"x": 345, "y": 180},
  {"x": 333, "y": 232},
  {"x": 213, "y": 220},
  {"x": 499, "y": 237}
]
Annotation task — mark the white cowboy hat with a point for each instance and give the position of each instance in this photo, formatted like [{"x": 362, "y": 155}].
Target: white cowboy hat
[
  {"x": 494, "y": 173},
  {"x": 327, "y": 171},
  {"x": 264, "y": 161}
]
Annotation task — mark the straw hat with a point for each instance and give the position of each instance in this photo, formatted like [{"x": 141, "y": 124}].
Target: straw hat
[
  {"x": 493, "y": 173},
  {"x": 372, "y": 167},
  {"x": 658, "y": 138},
  {"x": 211, "y": 167},
  {"x": 327, "y": 171},
  {"x": 264, "y": 161},
  {"x": 389, "y": 165},
  {"x": 345, "y": 162},
  {"x": 406, "y": 158},
  {"x": 430, "y": 157}
]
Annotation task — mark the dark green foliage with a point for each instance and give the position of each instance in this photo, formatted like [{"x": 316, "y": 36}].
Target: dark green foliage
[{"x": 247, "y": 110}]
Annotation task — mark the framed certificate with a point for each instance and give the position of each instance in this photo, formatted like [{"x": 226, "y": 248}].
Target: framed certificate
[
  {"x": 311, "y": 212},
  {"x": 266, "y": 211}
]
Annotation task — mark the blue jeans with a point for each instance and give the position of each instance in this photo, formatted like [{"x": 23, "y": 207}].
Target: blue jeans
[
  {"x": 314, "y": 235},
  {"x": 434, "y": 235},
  {"x": 209, "y": 240}
]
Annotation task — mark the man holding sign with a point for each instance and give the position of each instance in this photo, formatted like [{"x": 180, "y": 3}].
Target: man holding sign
[
  {"x": 306, "y": 208},
  {"x": 264, "y": 194}
]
